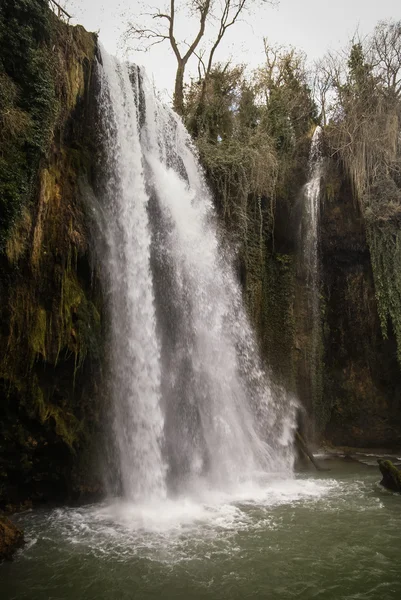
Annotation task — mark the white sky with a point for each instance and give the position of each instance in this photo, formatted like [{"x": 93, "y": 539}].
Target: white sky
[{"x": 313, "y": 26}]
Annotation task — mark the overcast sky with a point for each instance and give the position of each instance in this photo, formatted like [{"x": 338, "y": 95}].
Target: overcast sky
[{"x": 313, "y": 26}]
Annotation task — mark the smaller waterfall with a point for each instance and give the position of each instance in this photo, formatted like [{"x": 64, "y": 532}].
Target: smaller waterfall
[
  {"x": 309, "y": 269},
  {"x": 312, "y": 214}
]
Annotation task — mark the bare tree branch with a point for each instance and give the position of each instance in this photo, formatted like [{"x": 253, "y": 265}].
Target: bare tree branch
[{"x": 148, "y": 36}]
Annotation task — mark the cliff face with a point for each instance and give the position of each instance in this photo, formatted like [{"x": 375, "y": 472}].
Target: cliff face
[
  {"x": 50, "y": 313},
  {"x": 345, "y": 374},
  {"x": 362, "y": 382}
]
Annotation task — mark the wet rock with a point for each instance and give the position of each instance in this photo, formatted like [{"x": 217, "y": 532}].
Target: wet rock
[
  {"x": 11, "y": 538},
  {"x": 391, "y": 476}
]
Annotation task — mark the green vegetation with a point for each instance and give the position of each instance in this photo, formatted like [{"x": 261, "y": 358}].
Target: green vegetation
[
  {"x": 27, "y": 102},
  {"x": 278, "y": 317},
  {"x": 364, "y": 133},
  {"x": 80, "y": 320},
  {"x": 39, "y": 85},
  {"x": 385, "y": 249}
]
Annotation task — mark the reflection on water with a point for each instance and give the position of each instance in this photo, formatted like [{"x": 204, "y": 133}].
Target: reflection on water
[{"x": 331, "y": 536}]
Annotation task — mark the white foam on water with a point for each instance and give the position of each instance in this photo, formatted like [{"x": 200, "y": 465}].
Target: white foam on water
[{"x": 178, "y": 529}]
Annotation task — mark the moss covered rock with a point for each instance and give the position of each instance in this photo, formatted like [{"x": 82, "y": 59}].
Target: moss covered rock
[
  {"x": 11, "y": 538},
  {"x": 391, "y": 476}
]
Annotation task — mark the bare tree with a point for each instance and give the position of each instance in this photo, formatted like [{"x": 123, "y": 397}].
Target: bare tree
[
  {"x": 161, "y": 27},
  {"x": 323, "y": 81},
  {"x": 385, "y": 50}
]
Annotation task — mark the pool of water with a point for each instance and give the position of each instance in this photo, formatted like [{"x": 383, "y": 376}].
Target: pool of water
[{"x": 332, "y": 535}]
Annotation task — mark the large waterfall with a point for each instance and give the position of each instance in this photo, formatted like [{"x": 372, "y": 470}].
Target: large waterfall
[{"x": 192, "y": 405}]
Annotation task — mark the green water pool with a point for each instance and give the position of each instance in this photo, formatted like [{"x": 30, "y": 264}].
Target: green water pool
[{"x": 333, "y": 535}]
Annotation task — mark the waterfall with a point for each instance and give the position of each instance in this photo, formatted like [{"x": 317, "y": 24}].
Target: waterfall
[
  {"x": 192, "y": 404},
  {"x": 134, "y": 346},
  {"x": 312, "y": 210},
  {"x": 310, "y": 273}
]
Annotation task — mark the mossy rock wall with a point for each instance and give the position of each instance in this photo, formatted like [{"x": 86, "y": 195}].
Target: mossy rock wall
[
  {"x": 362, "y": 380},
  {"x": 275, "y": 289},
  {"x": 343, "y": 369},
  {"x": 50, "y": 314}
]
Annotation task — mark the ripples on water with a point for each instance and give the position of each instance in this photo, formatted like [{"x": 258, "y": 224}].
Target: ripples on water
[{"x": 332, "y": 537}]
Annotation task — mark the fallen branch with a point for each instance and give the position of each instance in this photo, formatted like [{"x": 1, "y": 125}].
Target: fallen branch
[
  {"x": 60, "y": 10},
  {"x": 304, "y": 449}
]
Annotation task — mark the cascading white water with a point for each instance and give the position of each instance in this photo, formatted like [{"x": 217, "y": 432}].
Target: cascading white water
[
  {"x": 309, "y": 269},
  {"x": 312, "y": 211},
  {"x": 134, "y": 351},
  {"x": 192, "y": 404}
]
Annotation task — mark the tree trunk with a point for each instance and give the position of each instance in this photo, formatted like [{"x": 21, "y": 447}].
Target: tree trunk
[{"x": 178, "y": 102}]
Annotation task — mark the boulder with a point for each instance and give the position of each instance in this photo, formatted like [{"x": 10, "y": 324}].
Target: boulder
[
  {"x": 11, "y": 538},
  {"x": 391, "y": 476}
]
